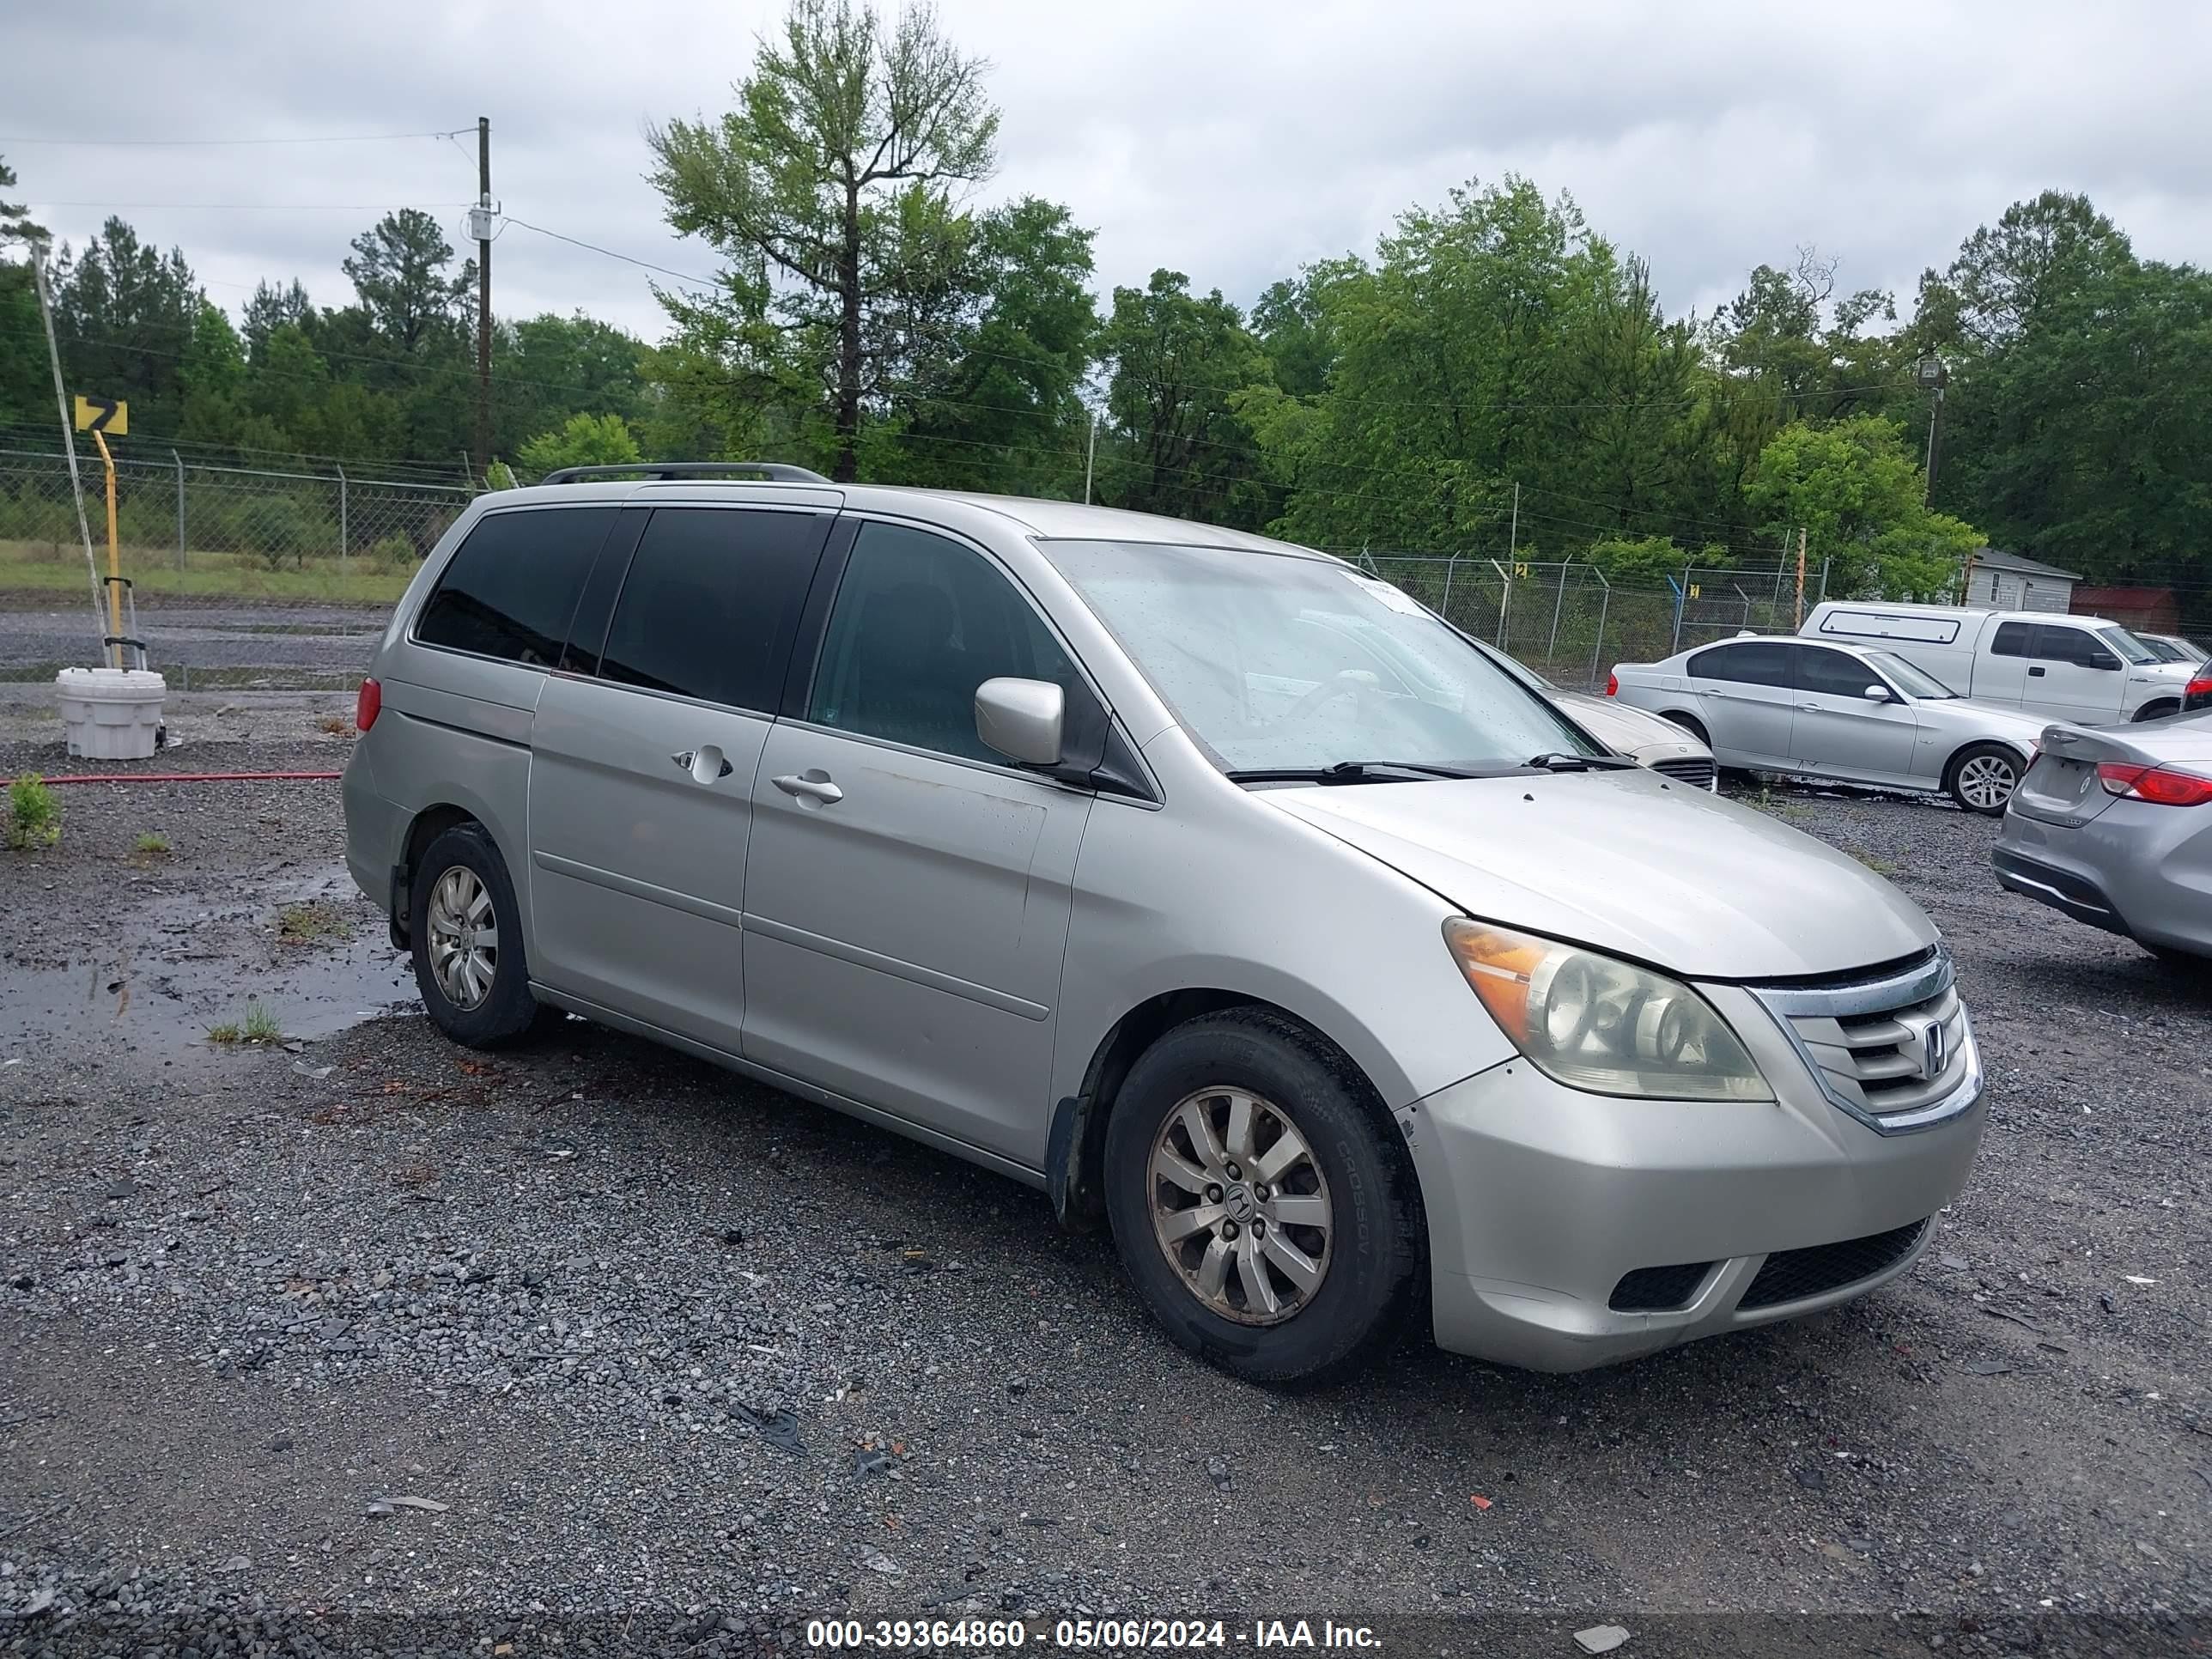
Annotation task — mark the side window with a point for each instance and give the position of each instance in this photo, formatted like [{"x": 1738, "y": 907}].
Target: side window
[
  {"x": 2014, "y": 639},
  {"x": 509, "y": 590},
  {"x": 1832, "y": 674},
  {"x": 711, "y": 602},
  {"x": 2067, "y": 645},
  {"x": 918, "y": 623},
  {"x": 1762, "y": 662}
]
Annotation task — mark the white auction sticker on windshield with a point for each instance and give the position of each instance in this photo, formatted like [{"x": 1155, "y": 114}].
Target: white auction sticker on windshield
[{"x": 1397, "y": 601}]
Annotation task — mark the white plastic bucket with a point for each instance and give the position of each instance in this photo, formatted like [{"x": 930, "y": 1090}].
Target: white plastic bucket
[{"x": 111, "y": 714}]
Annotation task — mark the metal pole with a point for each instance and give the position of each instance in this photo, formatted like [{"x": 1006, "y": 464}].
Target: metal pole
[
  {"x": 346, "y": 541},
  {"x": 1824, "y": 580},
  {"x": 1604, "y": 601},
  {"x": 483, "y": 297},
  {"x": 1681, "y": 592},
  {"x": 1504, "y": 587},
  {"x": 1935, "y": 447},
  {"x": 114, "y": 557},
  {"x": 180, "y": 461},
  {"x": 69, "y": 437},
  {"x": 1089, "y": 458},
  {"x": 1451, "y": 564},
  {"x": 1558, "y": 604}
]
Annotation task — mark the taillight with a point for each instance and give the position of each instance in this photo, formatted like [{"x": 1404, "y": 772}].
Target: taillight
[
  {"x": 368, "y": 703},
  {"x": 1612, "y": 685},
  {"x": 2200, "y": 687},
  {"x": 2161, "y": 786}
]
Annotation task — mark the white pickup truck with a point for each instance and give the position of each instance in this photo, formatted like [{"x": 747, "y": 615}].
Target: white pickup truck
[{"x": 2072, "y": 668}]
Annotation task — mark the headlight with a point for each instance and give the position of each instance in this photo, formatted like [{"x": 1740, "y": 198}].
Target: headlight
[{"x": 1596, "y": 1023}]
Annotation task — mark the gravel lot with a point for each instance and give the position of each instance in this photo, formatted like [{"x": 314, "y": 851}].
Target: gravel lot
[{"x": 564, "y": 1297}]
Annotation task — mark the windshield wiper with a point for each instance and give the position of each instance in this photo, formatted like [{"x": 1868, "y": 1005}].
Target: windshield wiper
[
  {"x": 1558, "y": 760},
  {"x": 1374, "y": 771}
]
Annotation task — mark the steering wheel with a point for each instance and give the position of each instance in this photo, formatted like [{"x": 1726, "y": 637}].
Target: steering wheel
[{"x": 1360, "y": 684}]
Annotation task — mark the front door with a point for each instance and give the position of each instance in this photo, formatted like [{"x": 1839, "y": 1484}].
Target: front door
[
  {"x": 643, "y": 764},
  {"x": 1840, "y": 731},
  {"x": 2075, "y": 675},
  {"x": 908, "y": 892}
]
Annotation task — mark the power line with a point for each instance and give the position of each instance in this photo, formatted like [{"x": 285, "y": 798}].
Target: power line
[
  {"x": 252, "y": 206},
  {"x": 628, "y": 259},
  {"x": 167, "y": 143}
]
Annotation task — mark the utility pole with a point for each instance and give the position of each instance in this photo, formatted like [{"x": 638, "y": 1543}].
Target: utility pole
[
  {"x": 1800, "y": 575},
  {"x": 69, "y": 439},
  {"x": 1931, "y": 372},
  {"x": 480, "y": 221}
]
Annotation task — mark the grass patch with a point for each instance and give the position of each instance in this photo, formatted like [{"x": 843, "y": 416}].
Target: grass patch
[
  {"x": 39, "y": 568},
  {"x": 311, "y": 922},
  {"x": 35, "y": 814},
  {"x": 150, "y": 848},
  {"x": 258, "y": 1025},
  {"x": 337, "y": 726},
  {"x": 1880, "y": 867}
]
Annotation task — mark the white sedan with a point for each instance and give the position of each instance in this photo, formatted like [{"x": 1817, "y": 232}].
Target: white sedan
[{"x": 1848, "y": 714}]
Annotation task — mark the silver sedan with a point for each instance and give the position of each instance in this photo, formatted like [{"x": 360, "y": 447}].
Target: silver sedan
[
  {"x": 1777, "y": 703},
  {"x": 2114, "y": 827}
]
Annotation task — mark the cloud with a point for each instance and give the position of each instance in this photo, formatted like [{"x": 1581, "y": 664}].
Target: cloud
[{"x": 1232, "y": 141}]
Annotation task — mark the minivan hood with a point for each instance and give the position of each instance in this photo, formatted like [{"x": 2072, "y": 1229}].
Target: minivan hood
[
  {"x": 1681, "y": 879},
  {"x": 1623, "y": 728}
]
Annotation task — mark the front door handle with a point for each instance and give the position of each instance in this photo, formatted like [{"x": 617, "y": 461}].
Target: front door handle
[
  {"x": 716, "y": 765},
  {"x": 1808, "y": 707},
  {"x": 2035, "y": 673},
  {"x": 812, "y": 787}
]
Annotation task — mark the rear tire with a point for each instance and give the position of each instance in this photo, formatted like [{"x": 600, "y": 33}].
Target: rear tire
[
  {"x": 1307, "y": 1148},
  {"x": 1982, "y": 777},
  {"x": 465, "y": 933},
  {"x": 1692, "y": 725}
]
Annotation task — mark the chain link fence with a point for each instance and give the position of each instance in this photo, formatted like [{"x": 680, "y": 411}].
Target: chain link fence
[
  {"x": 192, "y": 514},
  {"x": 1571, "y": 623}
]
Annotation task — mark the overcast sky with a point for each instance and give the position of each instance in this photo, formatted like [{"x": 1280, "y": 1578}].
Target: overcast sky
[{"x": 1230, "y": 140}]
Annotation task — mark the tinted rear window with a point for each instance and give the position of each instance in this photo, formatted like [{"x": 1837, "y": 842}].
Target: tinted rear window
[
  {"x": 511, "y": 589},
  {"x": 2011, "y": 640},
  {"x": 711, "y": 602},
  {"x": 1763, "y": 662}
]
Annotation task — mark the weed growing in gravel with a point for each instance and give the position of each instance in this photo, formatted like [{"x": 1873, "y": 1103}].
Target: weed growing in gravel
[
  {"x": 34, "y": 817},
  {"x": 260, "y": 1026},
  {"x": 337, "y": 726},
  {"x": 151, "y": 847},
  {"x": 224, "y": 1031},
  {"x": 1880, "y": 867},
  {"x": 305, "y": 924}
]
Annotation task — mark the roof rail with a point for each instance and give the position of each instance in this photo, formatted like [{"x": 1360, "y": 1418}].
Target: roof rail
[{"x": 773, "y": 471}]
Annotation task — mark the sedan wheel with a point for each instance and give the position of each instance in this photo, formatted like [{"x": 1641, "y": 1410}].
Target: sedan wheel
[
  {"x": 1240, "y": 1208},
  {"x": 1984, "y": 778}
]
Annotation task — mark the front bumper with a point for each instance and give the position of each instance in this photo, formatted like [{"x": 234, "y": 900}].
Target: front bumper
[{"x": 1543, "y": 1200}]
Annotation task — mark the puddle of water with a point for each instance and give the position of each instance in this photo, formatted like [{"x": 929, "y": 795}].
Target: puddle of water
[{"x": 160, "y": 998}]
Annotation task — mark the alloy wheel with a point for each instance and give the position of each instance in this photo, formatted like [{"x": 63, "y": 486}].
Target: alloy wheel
[
  {"x": 1987, "y": 781},
  {"x": 463, "y": 937},
  {"x": 1239, "y": 1205}
]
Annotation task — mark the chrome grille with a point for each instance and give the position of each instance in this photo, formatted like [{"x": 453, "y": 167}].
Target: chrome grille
[
  {"x": 1698, "y": 770},
  {"x": 1895, "y": 1049}
]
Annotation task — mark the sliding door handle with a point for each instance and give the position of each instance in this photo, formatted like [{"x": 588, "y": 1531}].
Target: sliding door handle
[{"x": 809, "y": 787}]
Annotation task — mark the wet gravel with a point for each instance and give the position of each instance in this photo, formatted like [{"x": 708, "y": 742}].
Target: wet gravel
[
  {"x": 198, "y": 643},
  {"x": 687, "y": 1362}
]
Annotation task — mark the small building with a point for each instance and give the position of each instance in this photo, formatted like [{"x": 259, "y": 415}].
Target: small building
[
  {"x": 1998, "y": 581},
  {"x": 2145, "y": 609}
]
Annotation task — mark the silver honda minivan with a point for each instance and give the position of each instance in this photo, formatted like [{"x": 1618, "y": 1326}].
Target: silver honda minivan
[{"x": 1222, "y": 893}]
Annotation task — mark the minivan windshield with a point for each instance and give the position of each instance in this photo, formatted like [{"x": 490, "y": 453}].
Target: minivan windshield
[
  {"x": 1913, "y": 682},
  {"x": 1281, "y": 664}
]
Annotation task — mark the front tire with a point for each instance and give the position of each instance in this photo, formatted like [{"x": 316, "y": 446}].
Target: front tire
[
  {"x": 1982, "y": 777},
  {"x": 1267, "y": 1214},
  {"x": 465, "y": 930}
]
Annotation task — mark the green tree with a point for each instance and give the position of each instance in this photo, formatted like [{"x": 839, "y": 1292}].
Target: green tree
[
  {"x": 213, "y": 378},
  {"x": 831, "y": 190},
  {"x": 546, "y": 368},
  {"x": 1857, "y": 494},
  {"x": 126, "y": 314},
  {"x": 1006, "y": 411},
  {"x": 1292, "y": 322},
  {"x": 400, "y": 268},
  {"x": 2006, "y": 276},
  {"x": 581, "y": 440},
  {"x": 270, "y": 308},
  {"x": 1637, "y": 559},
  {"x": 1179, "y": 362},
  {"x": 16, "y": 222}
]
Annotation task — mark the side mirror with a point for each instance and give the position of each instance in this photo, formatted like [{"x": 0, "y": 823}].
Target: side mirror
[
  {"x": 1021, "y": 719},
  {"x": 1876, "y": 694},
  {"x": 2103, "y": 660}
]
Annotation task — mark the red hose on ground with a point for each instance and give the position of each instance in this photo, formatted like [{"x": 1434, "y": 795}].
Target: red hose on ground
[{"x": 191, "y": 777}]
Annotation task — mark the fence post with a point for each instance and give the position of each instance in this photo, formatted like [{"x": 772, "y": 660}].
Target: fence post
[
  {"x": 180, "y": 461},
  {"x": 1824, "y": 582},
  {"x": 1681, "y": 591},
  {"x": 345, "y": 539},
  {"x": 1505, "y": 595},
  {"x": 1558, "y": 604},
  {"x": 1451, "y": 564},
  {"x": 1604, "y": 600}
]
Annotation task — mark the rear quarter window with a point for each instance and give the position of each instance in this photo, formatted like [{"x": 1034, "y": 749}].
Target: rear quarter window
[{"x": 510, "y": 589}]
